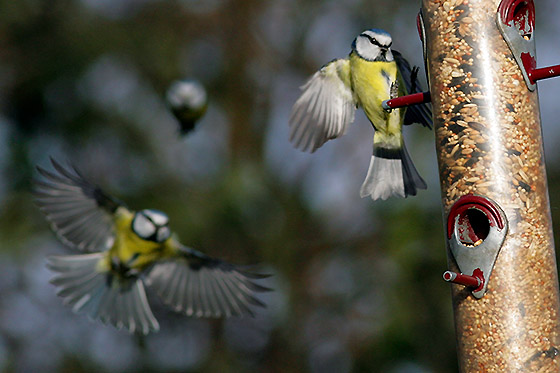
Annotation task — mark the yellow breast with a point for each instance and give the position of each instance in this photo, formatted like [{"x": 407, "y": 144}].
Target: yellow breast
[{"x": 371, "y": 83}]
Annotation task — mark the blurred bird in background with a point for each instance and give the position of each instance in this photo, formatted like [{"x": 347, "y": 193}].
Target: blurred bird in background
[
  {"x": 188, "y": 101},
  {"x": 127, "y": 249},
  {"x": 371, "y": 74}
]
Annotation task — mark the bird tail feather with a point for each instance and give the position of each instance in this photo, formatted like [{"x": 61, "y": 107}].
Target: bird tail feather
[
  {"x": 103, "y": 295},
  {"x": 391, "y": 173}
]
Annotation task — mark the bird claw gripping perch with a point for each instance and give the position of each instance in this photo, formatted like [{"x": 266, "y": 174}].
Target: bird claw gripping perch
[
  {"x": 516, "y": 21},
  {"x": 396, "y": 102},
  {"x": 476, "y": 230},
  {"x": 408, "y": 100},
  {"x": 394, "y": 93},
  {"x": 395, "y": 90}
]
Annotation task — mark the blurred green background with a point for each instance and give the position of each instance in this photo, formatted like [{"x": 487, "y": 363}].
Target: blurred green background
[{"x": 357, "y": 284}]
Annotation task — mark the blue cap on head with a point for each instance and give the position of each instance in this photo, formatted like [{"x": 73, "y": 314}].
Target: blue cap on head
[
  {"x": 373, "y": 30},
  {"x": 379, "y": 31}
]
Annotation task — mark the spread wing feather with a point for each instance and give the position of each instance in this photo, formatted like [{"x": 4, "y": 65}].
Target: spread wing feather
[
  {"x": 325, "y": 108},
  {"x": 80, "y": 213},
  {"x": 198, "y": 285}
]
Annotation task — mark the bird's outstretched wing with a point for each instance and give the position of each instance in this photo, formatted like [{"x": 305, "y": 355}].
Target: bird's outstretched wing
[
  {"x": 415, "y": 113},
  {"x": 79, "y": 212},
  {"x": 325, "y": 108},
  {"x": 198, "y": 285}
]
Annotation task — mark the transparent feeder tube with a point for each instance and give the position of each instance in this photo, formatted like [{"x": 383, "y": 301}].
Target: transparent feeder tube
[{"x": 489, "y": 143}]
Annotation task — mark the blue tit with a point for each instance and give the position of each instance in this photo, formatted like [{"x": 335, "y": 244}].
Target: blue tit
[
  {"x": 371, "y": 74},
  {"x": 125, "y": 250},
  {"x": 188, "y": 101}
]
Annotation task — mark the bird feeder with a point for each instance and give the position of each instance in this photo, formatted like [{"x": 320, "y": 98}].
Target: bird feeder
[{"x": 481, "y": 63}]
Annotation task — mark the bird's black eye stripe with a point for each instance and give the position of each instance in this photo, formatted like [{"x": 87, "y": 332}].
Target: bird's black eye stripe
[
  {"x": 372, "y": 39},
  {"x": 375, "y": 42},
  {"x": 150, "y": 219}
]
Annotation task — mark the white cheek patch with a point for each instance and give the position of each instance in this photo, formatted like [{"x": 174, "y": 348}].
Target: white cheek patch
[
  {"x": 367, "y": 50},
  {"x": 142, "y": 226},
  {"x": 163, "y": 234}
]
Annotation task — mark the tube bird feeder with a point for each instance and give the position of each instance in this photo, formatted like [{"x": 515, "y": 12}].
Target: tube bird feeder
[{"x": 493, "y": 182}]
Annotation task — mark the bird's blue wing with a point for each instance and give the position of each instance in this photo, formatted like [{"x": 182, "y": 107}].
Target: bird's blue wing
[
  {"x": 415, "y": 113},
  {"x": 79, "y": 212}
]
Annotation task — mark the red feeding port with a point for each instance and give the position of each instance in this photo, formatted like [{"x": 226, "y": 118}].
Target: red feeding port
[
  {"x": 519, "y": 14},
  {"x": 473, "y": 216}
]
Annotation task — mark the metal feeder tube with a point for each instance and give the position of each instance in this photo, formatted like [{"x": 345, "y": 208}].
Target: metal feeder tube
[{"x": 489, "y": 143}]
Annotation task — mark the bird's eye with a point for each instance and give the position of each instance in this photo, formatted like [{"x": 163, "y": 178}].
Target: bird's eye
[{"x": 374, "y": 41}]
